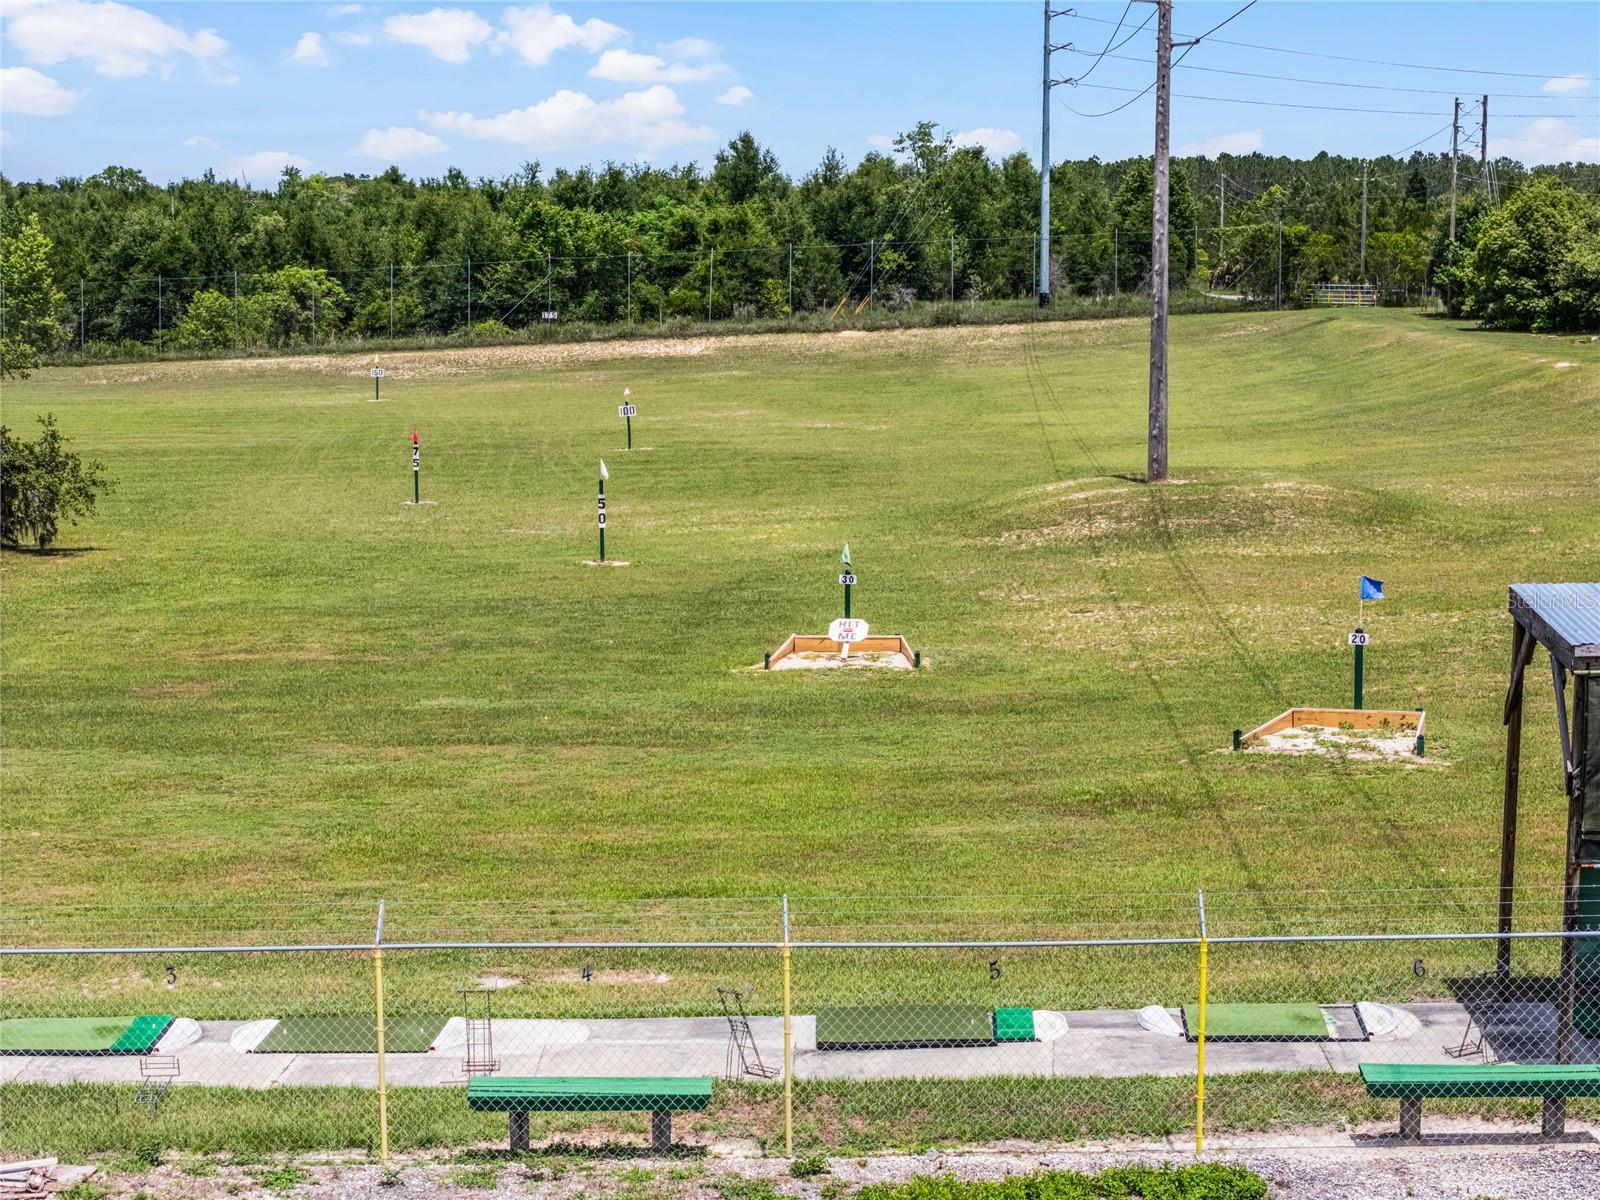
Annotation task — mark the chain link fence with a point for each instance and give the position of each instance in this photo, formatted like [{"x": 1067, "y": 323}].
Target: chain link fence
[{"x": 845, "y": 1025}]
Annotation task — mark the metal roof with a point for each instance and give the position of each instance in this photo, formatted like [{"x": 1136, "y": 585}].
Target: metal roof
[{"x": 1565, "y": 617}]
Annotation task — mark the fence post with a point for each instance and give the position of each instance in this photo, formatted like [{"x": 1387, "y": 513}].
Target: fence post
[
  {"x": 383, "y": 1083},
  {"x": 313, "y": 306},
  {"x": 158, "y": 312},
  {"x": 952, "y": 270},
  {"x": 791, "y": 278},
  {"x": 788, "y": 1043},
  {"x": 1200, "y": 1041},
  {"x": 469, "y": 295},
  {"x": 391, "y": 301},
  {"x": 630, "y": 287},
  {"x": 711, "y": 282},
  {"x": 236, "y": 308},
  {"x": 80, "y": 315}
]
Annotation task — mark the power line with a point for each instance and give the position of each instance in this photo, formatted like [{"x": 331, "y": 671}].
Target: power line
[
  {"x": 1113, "y": 38},
  {"x": 1377, "y": 87},
  {"x": 1375, "y": 62},
  {"x": 1395, "y": 112},
  {"x": 1193, "y": 42}
]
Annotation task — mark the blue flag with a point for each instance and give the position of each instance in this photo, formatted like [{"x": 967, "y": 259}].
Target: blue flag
[{"x": 1371, "y": 589}]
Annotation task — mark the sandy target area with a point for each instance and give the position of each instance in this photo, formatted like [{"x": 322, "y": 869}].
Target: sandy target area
[
  {"x": 810, "y": 660},
  {"x": 1375, "y": 745}
]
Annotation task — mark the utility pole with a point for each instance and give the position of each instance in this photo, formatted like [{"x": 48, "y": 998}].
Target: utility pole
[
  {"x": 1222, "y": 228},
  {"x": 1156, "y": 451},
  {"x": 1455, "y": 150},
  {"x": 1278, "y": 297},
  {"x": 1045, "y": 84},
  {"x": 1483, "y": 140},
  {"x": 1362, "y": 270}
]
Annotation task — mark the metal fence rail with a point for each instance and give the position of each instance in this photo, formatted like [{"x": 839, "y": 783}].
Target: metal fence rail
[{"x": 827, "y": 1024}]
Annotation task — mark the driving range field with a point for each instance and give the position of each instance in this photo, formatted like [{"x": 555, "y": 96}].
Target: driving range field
[{"x": 260, "y": 676}]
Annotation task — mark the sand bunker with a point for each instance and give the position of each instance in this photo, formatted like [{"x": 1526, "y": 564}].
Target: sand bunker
[
  {"x": 807, "y": 660},
  {"x": 1389, "y": 745}
]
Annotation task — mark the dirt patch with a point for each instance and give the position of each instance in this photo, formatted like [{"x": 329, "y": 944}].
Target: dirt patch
[
  {"x": 172, "y": 691},
  {"x": 1368, "y": 745},
  {"x": 611, "y": 976},
  {"x": 811, "y": 660},
  {"x": 308, "y": 655}
]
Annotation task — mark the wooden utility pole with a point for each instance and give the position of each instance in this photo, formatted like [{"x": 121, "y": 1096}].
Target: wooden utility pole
[
  {"x": 1455, "y": 152},
  {"x": 1362, "y": 269},
  {"x": 1156, "y": 451},
  {"x": 1483, "y": 140},
  {"x": 1044, "y": 169},
  {"x": 1222, "y": 215}
]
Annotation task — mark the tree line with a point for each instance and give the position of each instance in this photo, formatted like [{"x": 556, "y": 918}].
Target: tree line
[{"x": 116, "y": 259}]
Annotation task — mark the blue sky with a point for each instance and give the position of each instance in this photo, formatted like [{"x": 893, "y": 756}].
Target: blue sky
[{"x": 244, "y": 87}]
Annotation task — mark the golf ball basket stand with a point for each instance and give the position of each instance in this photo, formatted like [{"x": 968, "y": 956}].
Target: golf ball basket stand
[
  {"x": 842, "y": 652},
  {"x": 1408, "y": 722}
]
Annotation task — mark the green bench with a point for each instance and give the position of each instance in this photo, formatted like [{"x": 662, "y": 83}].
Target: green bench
[
  {"x": 521, "y": 1096},
  {"x": 1412, "y": 1083}
]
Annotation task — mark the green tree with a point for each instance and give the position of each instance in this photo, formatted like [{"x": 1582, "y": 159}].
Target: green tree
[
  {"x": 1534, "y": 261},
  {"x": 42, "y": 483},
  {"x": 208, "y": 323},
  {"x": 31, "y": 298}
]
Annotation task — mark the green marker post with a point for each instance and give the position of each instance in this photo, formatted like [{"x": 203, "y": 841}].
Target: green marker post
[
  {"x": 416, "y": 469},
  {"x": 1361, "y": 653},
  {"x": 627, "y": 411},
  {"x": 846, "y": 577},
  {"x": 604, "y": 475}
]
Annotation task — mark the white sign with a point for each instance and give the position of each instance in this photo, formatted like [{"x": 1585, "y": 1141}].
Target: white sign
[
  {"x": 847, "y": 579},
  {"x": 377, "y": 372},
  {"x": 1358, "y": 639},
  {"x": 547, "y": 316},
  {"x": 847, "y": 629},
  {"x": 416, "y": 458},
  {"x": 602, "y": 518},
  {"x": 627, "y": 410}
]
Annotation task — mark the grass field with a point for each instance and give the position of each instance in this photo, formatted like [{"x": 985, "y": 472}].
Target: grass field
[{"x": 260, "y": 678}]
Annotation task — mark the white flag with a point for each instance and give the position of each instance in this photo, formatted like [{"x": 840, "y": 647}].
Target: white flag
[
  {"x": 626, "y": 392},
  {"x": 604, "y": 474}
]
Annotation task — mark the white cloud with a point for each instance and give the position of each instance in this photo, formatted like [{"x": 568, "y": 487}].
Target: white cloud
[
  {"x": 880, "y": 141},
  {"x": 537, "y": 33},
  {"x": 29, "y": 93},
  {"x": 1241, "y": 141},
  {"x": 998, "y": 142},
  {"x": 691, "y": 47},
  {"x": 264, "y": 166},
  {"x": 651, "y": 120},
  {"x": 347, "y": 10},
  {"x": 117, "y": 40},
  {"x": 347, "y": 37},
  {"x": 397, "y": 142},
  {"x": 310, "y": 51},
  {"x": 625, "y": 66},
  {"x": 5, "y": 137},
  {"x": 735, "y": 96},
  {"x": 445, "y": 33},
  {"x": 1566, "y": 85},
  {"x": 1547, "y": 140},
  {"x": 201, "y": 142}
]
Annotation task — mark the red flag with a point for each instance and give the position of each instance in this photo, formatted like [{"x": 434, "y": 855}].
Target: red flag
[{"x": 413, "y": 437}]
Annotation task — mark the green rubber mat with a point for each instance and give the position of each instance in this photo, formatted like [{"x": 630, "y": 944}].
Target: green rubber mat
[
  {"x": 1013, "y": 1025},
  {"x": 81, "y": 1035},
  {"x": 1257, "y": 1022},
  {"x": 887, "y": 1026},
  {"x": 351, "y": 1035}
]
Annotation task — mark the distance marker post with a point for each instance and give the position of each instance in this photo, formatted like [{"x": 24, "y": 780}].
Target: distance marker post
[
  {"x": 628, "y": 411},
  {"x": 1369, "y": 589},
  {"x": 416, "y": 469},
  {"x": 847, "y": 578},
  {"x": 1358, "y": 639},
  {"x": 377, "y": 376},
  {"x": 604, "y": 475}
]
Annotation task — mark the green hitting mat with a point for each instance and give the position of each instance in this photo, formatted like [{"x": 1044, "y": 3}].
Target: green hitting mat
[
  {"x": 889, "y": 1026},
  {"x": 1013, "y": 1025},
  {"x": 351, "y": 1035},
  {"x": 82, "y": 1035},
  {"x": 1257, "y": 1023}
]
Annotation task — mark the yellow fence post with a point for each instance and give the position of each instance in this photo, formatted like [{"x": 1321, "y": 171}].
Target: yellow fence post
[
  {"x": 383, "y": 1083},
  {"x": 1200, "y": 1042},
  {"x": 788, "y": 1044}
]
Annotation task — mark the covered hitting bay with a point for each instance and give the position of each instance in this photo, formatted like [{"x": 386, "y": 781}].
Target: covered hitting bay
[{"x": 1564, "y": 618}]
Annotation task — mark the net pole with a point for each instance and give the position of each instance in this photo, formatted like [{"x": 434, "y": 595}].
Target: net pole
[
  {"x": 383, "y": 1082},
  {"x": 788, "y": 1042}
]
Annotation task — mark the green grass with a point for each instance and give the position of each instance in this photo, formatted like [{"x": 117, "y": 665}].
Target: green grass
[
  {"x": 259, "y": 680},
  {"x": 835, "y": 1116},
  {"x": 1201, "y": 1181}
]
